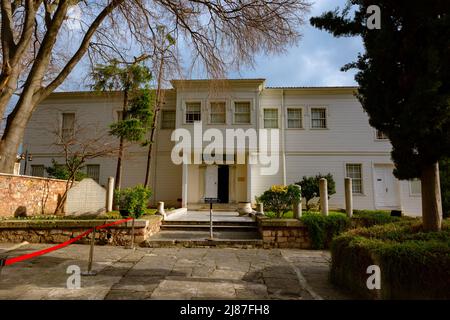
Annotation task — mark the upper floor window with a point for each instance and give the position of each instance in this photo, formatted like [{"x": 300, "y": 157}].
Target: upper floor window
[
  {"x": 270, "y": 118},
  {"x": 354, "y": 171},
  {"x": 218, "y": 112},
  {"x": 381, "y": 135},
  {"x": 37, "y": 170},
  {"x": 242, "y": 112},
  {"x": 68, "y": 125},
  {"x": 93, "y": 171},
  {"x": 193, "y": 112},
  {"x": 168, "y": 119},
  {"x": 319, "y": 118},
  {"x": 294, "y": 116}
]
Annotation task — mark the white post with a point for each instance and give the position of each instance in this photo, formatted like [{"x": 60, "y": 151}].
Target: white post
[
  {"x": 348, "y": 197},
  {"x": 110, "y": 194},
  {"x": 323, "y": 190},
  {"x": 297, "y": 206},
  {"x": 160, "y": 209},
  {"x": 184, "y": 194}
]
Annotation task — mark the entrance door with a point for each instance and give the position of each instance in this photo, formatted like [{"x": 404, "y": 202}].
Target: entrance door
[
  {"x": 211, "y": 179},
  {"x": 222, "y": 190},
  {"x": 386, "y": 187}
]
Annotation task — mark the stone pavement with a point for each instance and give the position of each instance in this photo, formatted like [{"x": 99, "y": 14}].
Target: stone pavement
[{"x": 170, "y": 273}]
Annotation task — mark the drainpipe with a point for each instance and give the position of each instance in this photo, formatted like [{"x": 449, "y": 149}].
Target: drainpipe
[{"x": 283, "y": 138}]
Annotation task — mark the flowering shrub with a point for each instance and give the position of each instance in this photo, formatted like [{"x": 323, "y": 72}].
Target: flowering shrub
[{"x": 279, "y": 198}]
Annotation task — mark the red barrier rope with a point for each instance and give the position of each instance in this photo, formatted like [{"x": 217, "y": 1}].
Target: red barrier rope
[{"x": 10, "y": 261}]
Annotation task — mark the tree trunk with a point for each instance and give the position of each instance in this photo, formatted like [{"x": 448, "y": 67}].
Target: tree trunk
[
  {"x": 118, "y": 180},
  {"x": 431, "y": 198}
]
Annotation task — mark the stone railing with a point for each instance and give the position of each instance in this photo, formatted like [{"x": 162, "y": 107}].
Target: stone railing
[
  {"x": 283, "y": 233},
  {"x": 58, "y": 231}
]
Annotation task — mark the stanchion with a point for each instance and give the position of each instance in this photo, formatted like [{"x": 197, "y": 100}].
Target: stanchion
[
  {"x": 89, "y": 271},
  {"x": 131, "y": 246},
  {"x": 2, "y": 264},
  {"x": 211, "y": 235}
]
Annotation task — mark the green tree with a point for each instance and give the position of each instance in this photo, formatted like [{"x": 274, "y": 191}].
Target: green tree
[
  {"x": 61, "y": 171},
  {"x": 138, "y": 99},
  {"x": 404, "y": 84},
  {"x": 310, "y": 187}
]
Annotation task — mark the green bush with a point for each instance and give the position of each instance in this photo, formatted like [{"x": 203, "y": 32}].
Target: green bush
[
  {"x": 368, "y": 218},
  {"x": 279, "y": 198},
  {"x": 322, "y": 228},
  {"x": 133, "y": 200},
  {"x": 310, "y": 187},
  {"x": 414, "y": 264}
]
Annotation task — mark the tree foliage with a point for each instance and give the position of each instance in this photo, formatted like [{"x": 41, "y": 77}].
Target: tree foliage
[
  {"x": 404, "y": 84},
  {"x": 62, "y": 171},
  {"x": 310, "y": 187},
  {"x": 280, "y": 198}
]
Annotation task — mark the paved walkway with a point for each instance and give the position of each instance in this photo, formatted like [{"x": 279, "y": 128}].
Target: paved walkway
[{"x": 170, "y": 273}]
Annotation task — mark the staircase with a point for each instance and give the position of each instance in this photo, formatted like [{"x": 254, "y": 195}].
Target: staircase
[{"x": 229, "y": 230}]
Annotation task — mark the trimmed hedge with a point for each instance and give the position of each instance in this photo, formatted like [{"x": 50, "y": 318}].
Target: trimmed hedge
[
  {"x": 322, "y": 229},
  {"x": 414, "y": 264},
  {"x": 368, "y": 218}
]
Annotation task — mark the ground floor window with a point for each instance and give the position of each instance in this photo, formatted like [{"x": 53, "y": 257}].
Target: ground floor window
[
  {"x": 415, "y": 187},
  {"x": 93, "y": 171},
  {"x": 354, "y": 171},
  {"x": 37, "y": 170}
]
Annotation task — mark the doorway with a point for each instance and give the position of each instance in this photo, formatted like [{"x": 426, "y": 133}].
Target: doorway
[
  {"x": 386, "y": 187},
  {"x": 223, "y": 183}
]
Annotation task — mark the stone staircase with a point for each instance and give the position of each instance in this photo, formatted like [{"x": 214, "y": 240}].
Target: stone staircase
[{"x": 196, "y": 233}]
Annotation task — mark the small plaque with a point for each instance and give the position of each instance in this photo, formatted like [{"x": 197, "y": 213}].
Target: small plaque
[{"x": 212, "y": 200}]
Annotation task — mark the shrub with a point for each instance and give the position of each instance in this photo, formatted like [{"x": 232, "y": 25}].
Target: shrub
[
  {"x": 133, "y": 200},
  {"x": 60, "y": 171},
  {"x": 310, "y": 187},
  {"x": 414, "y": 264},
  {"x": 279, "y": 198},
  {"x": 368, "y": 218},
  {"x": 322, "y": 228}
]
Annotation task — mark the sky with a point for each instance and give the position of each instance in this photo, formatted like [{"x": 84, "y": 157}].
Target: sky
[{"x": 315, "y": 61}]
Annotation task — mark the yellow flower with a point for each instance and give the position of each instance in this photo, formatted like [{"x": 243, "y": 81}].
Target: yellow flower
[{"x": 278, "y": 188}]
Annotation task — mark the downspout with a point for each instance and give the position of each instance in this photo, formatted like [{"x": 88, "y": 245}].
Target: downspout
[{"x": 283, "y": 138}]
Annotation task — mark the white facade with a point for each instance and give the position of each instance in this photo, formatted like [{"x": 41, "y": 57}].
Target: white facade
[{"x": 321, "y": 130}]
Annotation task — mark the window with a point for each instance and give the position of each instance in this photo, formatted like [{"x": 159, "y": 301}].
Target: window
[
  {"x": 318, "y": 118},
  {"x": 294, "y": 117},
  {"x": 68, "y": 125},
  {"x": 193, "y": 112},
  {"x": 381, "y": 135},
  {"x": 37, "y": 170},
  {"x": 93, "y": 171},
  {"x": 415, "y": 187},
  {"x": 355, "y": 173},
  {"x": 270, "y": 118},
  {"x": 218, "y": 112},
  {"x": 168, "y": 119},
  {"x": 119, "y": 115},
  {"x": 242, "y": 112}
]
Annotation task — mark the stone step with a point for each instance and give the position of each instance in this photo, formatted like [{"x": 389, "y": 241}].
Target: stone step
[
  {"x": 200, "y": 238},
  {"x": 206, "y": 223},
  {"x": 205, "y": 227},
  {"x": 220, "y": 243}
]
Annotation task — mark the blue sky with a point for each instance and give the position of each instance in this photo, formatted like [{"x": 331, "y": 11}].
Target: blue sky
[{"x": 315, "y": 61}]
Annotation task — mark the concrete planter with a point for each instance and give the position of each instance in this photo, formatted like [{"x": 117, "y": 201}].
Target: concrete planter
[{"x": 244, "y": 208}]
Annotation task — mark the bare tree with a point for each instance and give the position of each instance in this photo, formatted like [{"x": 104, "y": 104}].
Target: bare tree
[
  {"x": 84, "y": 143},
  {"x": 42, "y": 41}
]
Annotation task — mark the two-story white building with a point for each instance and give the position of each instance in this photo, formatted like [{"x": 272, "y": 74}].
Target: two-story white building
[{"x": 320, "y": 130}]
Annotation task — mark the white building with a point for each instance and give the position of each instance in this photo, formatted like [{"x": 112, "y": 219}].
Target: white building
[{"x": 321, "y": 130}]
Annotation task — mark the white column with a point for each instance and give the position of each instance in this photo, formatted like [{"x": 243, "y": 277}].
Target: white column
[
  {"x": 249, "y": 178},
  {"x": 323, "y": 190},
  {"x": 348, "y": 197},
  {"x": 110, "y": 194},
  {"x": 184, "y": 190}
]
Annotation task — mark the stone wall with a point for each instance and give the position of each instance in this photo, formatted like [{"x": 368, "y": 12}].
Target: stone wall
[
  {"x": 58, "y": 231},
  {"x": 24, "y": 195},
  {"x": 86, "y": 197},
  {"x": 283, "y": 233}
]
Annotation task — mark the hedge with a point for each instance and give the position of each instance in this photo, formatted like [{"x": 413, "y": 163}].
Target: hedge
[
  {"x": 322, "y": 229},
  {"x": 414, "y": 264}
]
